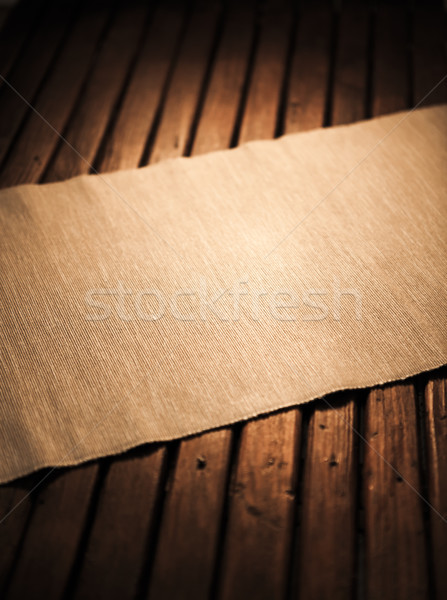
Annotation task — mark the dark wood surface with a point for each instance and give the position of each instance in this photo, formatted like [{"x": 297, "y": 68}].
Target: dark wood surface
[{"x": 345, "y": 497}]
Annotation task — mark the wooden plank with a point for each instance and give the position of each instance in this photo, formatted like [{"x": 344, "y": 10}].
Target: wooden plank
[
  {"x": 429, "y": 56},
  {"x": 88, "y": 125},
  {"x": 124, "y": 520},
  {"x": 127, "y": 141},
  {"x": 350, "y": 77},
  {"x": 259, "y": 532},
  {"x": 187, "y": 540},
  {"x": 31, "y": 68},
  {"x": 53, "y": 535},
  {"x": 328, "y": 513},
  {"x": 309, "y": 79},
  {"x": 436, "y": 432},
  {"x": 261, "y": 111},
  {"x": 30, "y": 154},
  {"x": 396, "y": 565},
  {"x": 219, "y": 114},
  {"x": 182, "y": 98},
  {"x": 325, "y": 567}
]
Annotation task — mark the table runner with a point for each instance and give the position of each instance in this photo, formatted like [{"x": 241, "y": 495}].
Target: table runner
[{"x": 155, "y": 303}]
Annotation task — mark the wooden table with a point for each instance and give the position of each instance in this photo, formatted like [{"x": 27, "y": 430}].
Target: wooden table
[{"x": 340, "y": 501}]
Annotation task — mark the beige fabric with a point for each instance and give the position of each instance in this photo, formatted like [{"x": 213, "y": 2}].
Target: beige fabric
[{"x": 76, "y": 385}]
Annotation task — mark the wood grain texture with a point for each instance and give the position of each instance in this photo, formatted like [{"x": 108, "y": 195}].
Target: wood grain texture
[
  {"x": 265, "y": 87},
  {"x": 328, "y": 514},
  {"x": 28, "y": 72},
  {"x": 259, "y": 531},
  {"x": 309, "y": 78},
  {"x": 144, "y": 96},
  {"x": 436, "y": 431},
  {"x": 187, "y": 544},
  {"x": 185, "y": 86},
  {"x": 219, "y": 114},
  {"x": 124, "y": 520},
  {"x": 396, "y": 564},
  {"x": 53, "y": 535},
  {"x": 54, "y": 104},
  {"x": 94, "y": 110}
]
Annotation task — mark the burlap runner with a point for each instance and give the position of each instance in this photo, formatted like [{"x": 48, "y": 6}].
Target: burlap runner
[{"x": 154, "y": 303}]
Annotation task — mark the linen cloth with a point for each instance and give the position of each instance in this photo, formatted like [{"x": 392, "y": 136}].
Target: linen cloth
[{"x": 151, "y": 304}]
